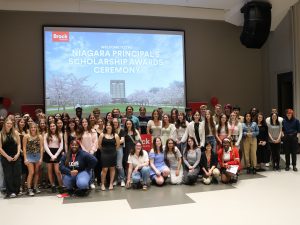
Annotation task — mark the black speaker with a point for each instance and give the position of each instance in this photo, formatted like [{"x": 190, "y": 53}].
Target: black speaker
[{"x": 257, "y": 23}]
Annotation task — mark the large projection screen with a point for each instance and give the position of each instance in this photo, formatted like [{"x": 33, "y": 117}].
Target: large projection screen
[{"x": 112, "y": 68}]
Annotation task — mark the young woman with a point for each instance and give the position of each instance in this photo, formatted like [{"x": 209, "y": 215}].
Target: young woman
[
  {"x": 250, "y": 131},
  {"x": 196, "y": 130},
  {"x": 131, "y": 137},
  {"x": 154, "y": 125},
  {"x": 50, "y": 120},
  {"x": 42, "y": 127},
  {"x": 72, "y": 132},
  {"x": 173, "y": 159},
  {"x": 120, "y": 169},
  {"x": 57, "y": 116},
  {"x": 208, "y": 165},
  {"x": 109, "y": 142},
  {"x": 222, "y": 129},
  {"x": 22, "y": 130},
  {"x": 88, "y": 142},
  {"x": 228, "y": 157},
  {"x": 181, "y": 126},
  {"x": 108, "y": 117},
  {"x": 174, "y": 115},
  {"x": 53, "y": 145},
  {"x": 65, "y": 118},
  {"x": 262, "y": 153},
  {"x": 167, "y": 129},
  {"x": 10, "y": 148},
  {"x": 235, "y": 130},
  {"x": 275, "y": 134},
  {"x": 98, "y": 168},
  {"x": 138, "y": 167},
  {"x": 191, "y": 159},
  {"x": 159, "y": 170},
  {"x": 75, "y": 166},
  {"x": 33, "y": 156},
  {"x": 290, "y": 127},
  {"x": 210, "y": 130}
]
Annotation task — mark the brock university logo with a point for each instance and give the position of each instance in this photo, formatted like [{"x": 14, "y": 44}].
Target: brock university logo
[{"x": 60, "y": 36}]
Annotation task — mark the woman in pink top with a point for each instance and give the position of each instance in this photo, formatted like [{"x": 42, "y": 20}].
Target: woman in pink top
[
  {"x": 53, "y": 145},
  {"x": 89, "y": 142}
]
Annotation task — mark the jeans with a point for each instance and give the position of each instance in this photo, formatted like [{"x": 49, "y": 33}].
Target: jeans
[
  {"x": 143, "y": 174},
  {"x": 181, "y": 146},
  {"x": 212, "y": 141},
  {"x": 120, "y": 169},
  {"x": 81, "y": 181}
]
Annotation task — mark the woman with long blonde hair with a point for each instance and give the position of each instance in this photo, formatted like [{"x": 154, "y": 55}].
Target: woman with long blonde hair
[
  {"x": 33, "y": 156},
  {"x": 10, "y": 148}
]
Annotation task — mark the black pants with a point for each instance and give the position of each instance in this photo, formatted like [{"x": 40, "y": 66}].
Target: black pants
[
  {"x": 12, "y": 175},
  {"x": 263, "y": 154},
  {"x": 290, "y": 145},
  {"x": 275, "y": 149}
]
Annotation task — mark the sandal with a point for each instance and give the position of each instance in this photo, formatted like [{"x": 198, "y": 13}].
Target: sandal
[
  {"x": 145, "y": 187},
  {"x": 103, "y": 188},
  {"x": 111, "y": 187}
]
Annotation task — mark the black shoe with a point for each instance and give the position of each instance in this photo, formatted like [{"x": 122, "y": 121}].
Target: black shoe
[
  {"x": 234, "y": 179},
  {"x": 295, "y": 168},
  {"x": 53, "y": 189},
  {"x": 248, "y": 170},
  {"x": 253, "y": 171},
  {"x": 260, "y": 170},
  {"x": 215, "y": 180},
  {"x": 287, "y": 168}
]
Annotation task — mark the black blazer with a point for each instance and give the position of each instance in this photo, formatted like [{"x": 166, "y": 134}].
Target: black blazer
[{"x": 213, "y": 161}]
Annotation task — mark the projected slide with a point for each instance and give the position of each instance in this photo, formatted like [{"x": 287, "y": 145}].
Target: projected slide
[{"x": 110, "y": 68}]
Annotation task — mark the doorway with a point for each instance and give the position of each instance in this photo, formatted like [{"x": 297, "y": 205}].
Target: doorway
[{"x": 285, "y": 92}]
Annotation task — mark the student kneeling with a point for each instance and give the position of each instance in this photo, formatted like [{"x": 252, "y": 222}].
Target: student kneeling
[
  {"x": 208, "y": 164},
  {"x": 229, "y": 161},
  {"x": 75, "y": 167}
]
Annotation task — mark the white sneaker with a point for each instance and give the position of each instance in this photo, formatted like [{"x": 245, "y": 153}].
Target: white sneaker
[
  {"x": 12, "y": 195},
  {"x": 122, "y": 183},
  {"x": 267, "y": 164},
  {"x": 115, "y": 183},
  {"x": 92, "y": 186}
]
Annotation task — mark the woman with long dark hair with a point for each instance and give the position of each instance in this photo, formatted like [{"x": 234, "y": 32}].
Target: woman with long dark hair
[
  {"x": 173, "y": 159},
  {"x": 250, "y": 132},
  {"x": 53, "y": 145},
  {"x": 120, "y": 170},
  {"x": 138, "y": 167},
  {"x": 154, "y": 125},
  {"x": 275, "y": 134},
  {"x": 208, "y": 165},
  {"x": 131, "y": 136},
  {"x": 180, "y": 128},
  {"x": 159, "y": 170},
  {"x": 109, "y": 142},
  {"x": 210, "y": 130},
  {"x": 191, "y": 160},
  {"x": 262, "y": 153},
  {"x": 10, "y": 148}
]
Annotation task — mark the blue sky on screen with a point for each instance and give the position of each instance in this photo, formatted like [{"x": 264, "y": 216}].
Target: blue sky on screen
[{"x": 170, "y": 48}]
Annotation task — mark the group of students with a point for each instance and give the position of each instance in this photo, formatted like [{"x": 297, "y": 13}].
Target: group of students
[{"x": 80, "y": 151}]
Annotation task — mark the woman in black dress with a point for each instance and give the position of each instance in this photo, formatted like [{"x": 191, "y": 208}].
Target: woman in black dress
[
  {"x": 263, "y": 151},
  {"x": 109, "y": 142}
]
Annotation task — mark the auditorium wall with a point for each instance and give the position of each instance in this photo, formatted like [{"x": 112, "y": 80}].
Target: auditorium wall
[{"x": 216, "y": 63}]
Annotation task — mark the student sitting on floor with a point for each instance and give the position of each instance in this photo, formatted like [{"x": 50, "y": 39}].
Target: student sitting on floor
[
  {"x": 191, "y": 159},
  {"x": 208, "y": 165},
  {"x": 159, "y": 170},
  {"x": 229, "y": 161},
  {"x": 75, "y": 167},
  {"x": 138, "y": 167}
]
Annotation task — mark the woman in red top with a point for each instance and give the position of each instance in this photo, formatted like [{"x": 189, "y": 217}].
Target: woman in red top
[{"x": 228, "y": 158}]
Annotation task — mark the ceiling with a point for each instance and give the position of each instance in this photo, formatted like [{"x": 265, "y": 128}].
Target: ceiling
[{"x": 223, "y": 10}]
